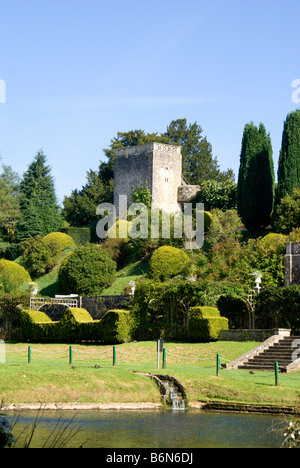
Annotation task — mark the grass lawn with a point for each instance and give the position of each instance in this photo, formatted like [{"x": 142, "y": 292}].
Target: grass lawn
[
  {"x": 50, "y": 379},
  {"x": 131, "y": 272}
]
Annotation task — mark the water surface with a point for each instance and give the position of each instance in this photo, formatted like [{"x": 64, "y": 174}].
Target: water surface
[{"x": 161, "y": 428}]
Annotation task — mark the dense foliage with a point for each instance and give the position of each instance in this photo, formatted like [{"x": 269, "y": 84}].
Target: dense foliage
[
  {"x": 40, "y": 256},
  {"x": 40, "y": 214},
  {"x": 86, "y": 271},
  {"x": 280, "y": 307},
  {"x": 62, "y": 240},
  {"x": 289, "y": 159},
  {"x": 287, "y": 213},
  {"x": 12, "y": 277},
  {"x": 256, "y": 188},
  {"x": 167, "y": 262}
]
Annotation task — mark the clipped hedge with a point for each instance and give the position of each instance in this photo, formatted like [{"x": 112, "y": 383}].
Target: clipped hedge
[
  {"x": 77, "y": 325},
  {"x": 37, "y": 327},
  {"x": 167, "y": 262},
  {"x": 117, "y": 326},
  {"x": 61, "y": 239},
  {"x": 81, "y": 235},
  {"x": 205, "y": 324},
  {"x": 12, "y": 276}
]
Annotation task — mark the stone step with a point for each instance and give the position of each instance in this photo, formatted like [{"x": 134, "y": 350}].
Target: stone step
[{"x": 280, "y": 352}]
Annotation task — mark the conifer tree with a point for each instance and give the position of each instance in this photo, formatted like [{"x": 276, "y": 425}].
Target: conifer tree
[
  {"x": 40, "y": 213},
  {"x": 256, "y": 178},
  {"x": 289, "y": 159}
]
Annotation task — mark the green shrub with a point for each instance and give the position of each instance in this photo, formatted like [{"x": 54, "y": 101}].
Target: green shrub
[
  {"x": 81, "y": 236},
  {"x": 205, "y": 324},
  {"x": 37, "y": 327},
  {"x": 77, "y": 325},
  {"x": 279, "y": 307},
  {"x": 88, "y": 270},
  {"x": 61, "y": 239},
  {"x": 39, "y": 256},
  {"x": 12, "y": 276},
  {"x": 235, "y": 308},
  {"x": 287, "y": 213},
  {"x": 10, "y": 315},
  {"x": 116, "y": 326},
  {"x": 208, "y": 219},
  {"x": 167, "y": 262}
]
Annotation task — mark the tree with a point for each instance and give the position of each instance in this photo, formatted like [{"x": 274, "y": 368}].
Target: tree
[
  {"x": 289, "y": 159},
  {"x": 218, "y": 195},
  {"x": 40, "y": 213},
  {"x": 9, "y": 202},
  {"x": 198, "y": 163},
  {"x": 287, "y": 213},
  {"x": 256, "y": 178}
]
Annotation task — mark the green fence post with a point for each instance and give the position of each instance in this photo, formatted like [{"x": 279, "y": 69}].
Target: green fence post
[
  {"x": 114, "y": 356},
  {"x": 276, "y": 374},
  {"x": 70, "y": 355},
  {"x": 218, "y": 365},
  {"x": 29, "y": 354},
  {"x": 164, "y": 358}
]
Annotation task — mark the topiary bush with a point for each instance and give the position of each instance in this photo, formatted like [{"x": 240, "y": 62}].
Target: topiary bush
[
  {"x": 116, "y": 326},
  {"x": 77, "y": 325},
  {"x": 205, "y": 324},
  {"x": 12, "y": 276},
  {"x": 61, "y": 239},
  {"x": 40, "y": 257},
  {"x": 10, "y": 315},
  {"x": 37, "y": 327},
  {"x": 88, "y": 270},
  {"x": 167, "y": 262}
]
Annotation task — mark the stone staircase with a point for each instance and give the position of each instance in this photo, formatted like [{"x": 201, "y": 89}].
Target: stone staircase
[{"x": 285, "y": 350}]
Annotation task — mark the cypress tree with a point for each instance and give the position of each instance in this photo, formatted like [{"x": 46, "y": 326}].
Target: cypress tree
[
  {"x": 255, "y": 190},
  {"x": 289, "y": 159},
  {"x": 40, "y": 213}
]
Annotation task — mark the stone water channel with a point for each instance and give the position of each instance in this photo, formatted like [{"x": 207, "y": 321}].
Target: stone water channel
[{"x": 161, "y": 428}]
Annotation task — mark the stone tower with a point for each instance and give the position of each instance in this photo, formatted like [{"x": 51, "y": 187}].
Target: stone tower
[
  {"x": 158, "y": 165},
  {"x": 292, "y": 263}
]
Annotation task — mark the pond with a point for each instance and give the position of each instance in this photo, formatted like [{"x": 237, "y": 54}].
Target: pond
[{"x": 161, "y": 428}]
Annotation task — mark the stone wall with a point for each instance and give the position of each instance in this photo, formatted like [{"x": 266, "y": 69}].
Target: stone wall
[
  {"x": 251, "y": 335},
  {"x": 292, "y": 263}
]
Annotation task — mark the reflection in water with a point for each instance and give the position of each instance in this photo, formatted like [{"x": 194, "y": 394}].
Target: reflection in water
[{"x": 159, "y": 429}]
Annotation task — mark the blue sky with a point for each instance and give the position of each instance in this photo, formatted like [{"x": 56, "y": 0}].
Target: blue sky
[{"x": 77, "y": 72}]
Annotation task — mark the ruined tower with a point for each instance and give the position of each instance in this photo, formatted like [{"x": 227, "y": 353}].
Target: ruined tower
[{"x": 158, "y": 165}]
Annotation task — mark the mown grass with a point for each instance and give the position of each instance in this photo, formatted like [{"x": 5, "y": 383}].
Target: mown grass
[
  {"x": 92, "y": 378},
  {"x": 131, "y": 272}
]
